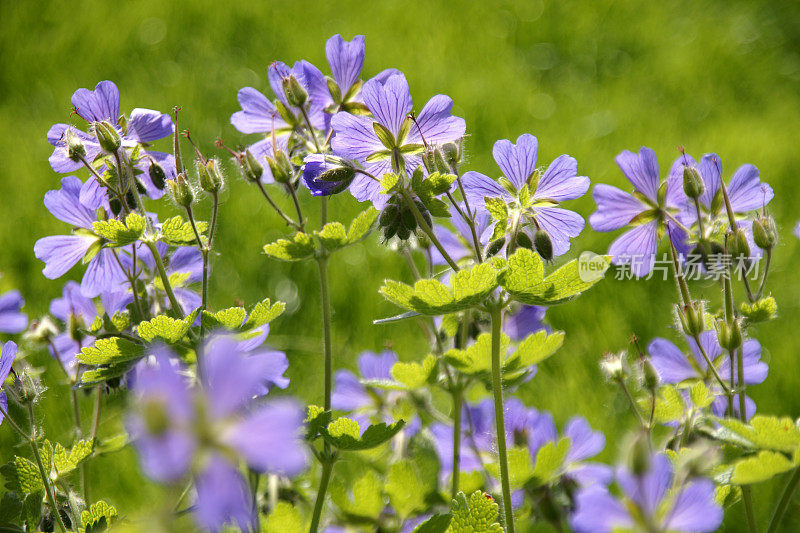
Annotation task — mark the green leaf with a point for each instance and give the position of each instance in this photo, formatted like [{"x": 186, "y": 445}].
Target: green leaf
[
  {"x": 67, "y": 462},
  {"x": 343, "y": 433},
  {"x": 98, "y": 517},
  {"x": 110, "y": 351},
  {"x": 478, "y": 514},
  {"x": 317, "y": 419},
  {"x": 362, "y": 225},
  {"x": 176, "y": 231},
  {"x": 700, "y": 395},
  {"x": 428, "y": 188},
  {"x": 414, "y": 375},
  {"x": 520, "y": 467},
  {"x": 119, "y": 233},
  {"x": 405, "y": 488},
  {"x": 22, "y": 476},
  {"x": 302, "y": 246},
  {"x": 763, "y": 432},
  {"x": 32, "y": 510},
  {"x": 760, "y": 311},
  {"x": 476, "y": 358},
  {"x": 10, "y": 508},
  {"x": 497, "y": 208},
  {"x": 367, "y": 499},
  {"x": 264, "y": 312},
  {"x": 389, "y": 182},
  {"x": 761, "y": 467},
  {"x": 96, "y": 376},
  {"x": 524, "y": 278},
  {"x": 333, "y": 235},
  {"x": 46, "y": 455},
  {"x": 438, "y": 523},
  {"x": 533, "y": 350},
  {"x": 166, "y": 328},
  {"x": 285, "y": 518},
  {"x": 230, "y": 318},
  {"x": 669, "y": 404},
  {"x": 468, "y": 288},
  {"x": 550, "y": 460}
]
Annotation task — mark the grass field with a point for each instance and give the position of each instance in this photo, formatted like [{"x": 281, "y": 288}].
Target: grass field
[{"x": 587, "y": 78}]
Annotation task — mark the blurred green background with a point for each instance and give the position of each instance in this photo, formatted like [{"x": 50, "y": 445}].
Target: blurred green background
[{"x": 587, "y": 78}]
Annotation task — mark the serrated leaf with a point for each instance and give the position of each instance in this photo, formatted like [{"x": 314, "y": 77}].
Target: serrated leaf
[
  {"x": 230, "y": 318},
  {"x": 700, "y": 395},
  {"x": 96, "y": 376},
  {"x": 367, "y": 500},
  {"x": 166, "y": 328},
  {"x": 333, "y": 235},
  {"x": 67, "y": 462},
  {"x": 534, "y": 349},
  {"x": 761, "y": 310},
  {"x": 760, "y": 467},
  {"x": 32, "y": 510},
  {"x": 763, "y": 432},
  {"x": 389, "y": 182},
  {"x": 670, "y": 405},
  {"x": 21, "y": 476},
  {"x": 285, "y": 518},
  {"x": 342, "y": 433},
  {"x": 10, "y": 508},
  {"x": 438, "y": 523},
  {"x": 98, "y": 514},
  {"x": 264, "y": 312},
  {"x": 468, "y": 288},
  {"x": 119, "y": 233},
  {"x": 46, "y": 455},
  {"x": 176, "y": 231},
  {"x": 405, "y": 488},
  {"x": 361, "y": 225},
  {"x": 301, "y": 246},
  {"x": 110, "y": 351},
  {"x": 550, "y": 460},
  {"x": 524, "y": 279},
  {"x": 476, "y": 514},
  {"x": 476, "y": 358},
  {"x": 414, "y": 375},
  {"x": 496, "y": 207}
]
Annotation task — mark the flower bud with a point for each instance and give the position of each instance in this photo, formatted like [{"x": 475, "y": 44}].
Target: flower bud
[
  {"x": 294, "y": 92},
  {"x": 693, "y": 184},
  {"x": 729, "y": 336},
  {"x": 691, "y": 318},
  {"x": 649, "y": 375},
  {"x": 738, "y": 245},
  {"x": 107, "y": 136},
  {"x": 115, "y": 205},
  {"x": 765, "y": 234},
  {"x": 251, "y": 168},
  {"x": 524, "y": 241},
  {"x": 429, "y": 160},
  {"x": 495, "y": 246},
  {"x": 210, "y": 176},
  {"x": 543, "y": 244},
  {"x": 281, "y": 167},
  {"x": 452, "y": 154},
  {"x": 325, "y": 175},
  {"x": 612, "y": 367},
  {"x": 441, "y": 165},
  {"x": 180, "y": 191},
  {"x": 75, "y": 148},
  {"x": 157, "y": 175}
]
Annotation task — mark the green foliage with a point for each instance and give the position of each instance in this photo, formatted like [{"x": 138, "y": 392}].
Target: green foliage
[
  {"x": 476, "y": 358},
  {"x": 22, "y": 476},
  {"x": 300, "y": 247},
  {"x": 428, "y": 188},
  {"x": 176, "y": 231},
  {"x": 550, "y": 460},
  {"x": 524, "y": 279},
  {"x": 98, "y": 517},
  {"x": 415, "y": 375},
  {"x": 406, "y": 488},
  {"x": 763, "y": 433},
  {"x": 534, "y": 349},
  {"x": 468, "y": 288},
  {"x": 118, "y": 233},
  {"x": 367, "y": 500},
  {"x": 233, "y": 318},
  {"x": 700, "y": 395},
  {"x": 65, "y": 462},
  {"x": 669, "y": 404},
  {"x": 520, "y": 467},
  {"x": 760, "y": 311},
  {"x": 760, "y": 467},
  {"x": 437, "y": 523},
  {"x": 285, "y": 518},
  {"x": 110, "y": 351},
  {"x": 478, "y": 514},
  {"x": 166, "y": 328},
  {"x": 343, "y": 433}
]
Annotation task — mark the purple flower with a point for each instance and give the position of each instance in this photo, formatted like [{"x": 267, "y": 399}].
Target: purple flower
[
  {"x": 73, "y": 306},
  {"x": 538, "y": 204},
  {"x": 142, "y": 127},
  {"x": 12, "y": 320},
  {"x": 673, "y": 366},
  {"x": 60, "y": 253},
  {"x": 652, "y": 208},
  {"x": 7, "y": 355},
  {"x": 346, "y": 60},
  {"x": 655, "y": 500},
  {"x": 168, "y": 430},
  {"x": 313, "y": 167},
  {"x": 477, "y": 430},
  {"x": 403, "y": 140},
  {"x": 460, "y": 244},
  {"x": 528, "y": 319}
]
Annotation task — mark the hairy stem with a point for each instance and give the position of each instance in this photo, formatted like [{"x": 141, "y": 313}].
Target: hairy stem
[
  {"x": 427, "y": 229},
  {"x": 173, "y": 301},
  {"x": 48, "y": 489}
]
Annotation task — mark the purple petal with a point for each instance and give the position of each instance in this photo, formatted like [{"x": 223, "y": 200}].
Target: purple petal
[
  {"x": 615, "y": 208},
  {"x": 65, "y": 204},
  {"x": 258, "y": 114},
  {"x": 597, "y": 511},
  {"x": 114, "y": 302},
  {"x": 73, "y": 303},
  {"x": 478, "y": 186},
  {"x": 318, "y": 92},
  {"x": 376, "y": 365},
  {"x": 585, "y": 442},
  {"x": 390, "y": 102},
  {"x": 61, "y": 252},
  {"x": 641, "y": 170},
  {"x": 11, "y": 319},
  {"x": 710, "y": 168},
  {"x": 524, "y": 322},
  {"x": 7, "y": 355},
  {"x": 348, "y": 393},
  {"x": 346, "y": 60},
  {"x": 708, "y": 341},
  {"x": 100, "y": 104},
  {"x": 561, "y": 182},
  {"x": 746, "y": 192},
  {"x": 146, "y": 125},
  {"x": 649, "y": 489},
  {"x": 270, "y": 439},
  {"x": 541, "y": 430},
  {"x": 517, "y": 162},
  {"x": 695, "y": 509},
  {"x": 59, "y": 159},
  {"x": 354, "y": 137},
  {"x": 636, "y": 247},
  {"x": 561, "y": 224},
  {"x": 670, "y": 363},
  {"x": 103, "y": 275},
  {"x": 223, "y": 497},
  {"x": 435, "y": 124},
  {"x": 187, "y": 260}
]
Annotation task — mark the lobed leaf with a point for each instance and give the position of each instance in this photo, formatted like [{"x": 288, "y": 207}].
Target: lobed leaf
[
  {"x": 301, "y": 246},
  {"x": 110, "y": 351},
  {"x": 478, "y": 513},
  {"x": 119, "y": 233},
  {"x": 176, "y": 231}
]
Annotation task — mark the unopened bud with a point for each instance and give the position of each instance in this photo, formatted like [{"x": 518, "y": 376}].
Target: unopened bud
[
  {"x": 693, "y": 184},
  {"x": 524, "y": 241},
  {"x": 157, "y": 175},
  {"x": 729, "y": 336},
  {"x": 611, "y": 365},
  {"x": 281, "y": 167},
  {"x": 452, "y": 154},
  {"x": 441, "y": 165},
  {"x": 691, "y": 318},
  {"x": 495, "y": 246},
  {"x": 75, "y": 148},
  {"x": 294, "y": 92},
  {"x": 251, "y": 168},
  {"x": 210, "y": 176},
  {"x": 765, "y": 235},
  {"x": 649, "y": 375},
  {"x": 738, "y": 245},
  {"x": 543, "y": 244},
  {"x": 180, "y": 191},
  {"x": 107, "y": 136}
]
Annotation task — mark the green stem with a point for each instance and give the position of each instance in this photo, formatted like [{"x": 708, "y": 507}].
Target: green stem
[
  {"x": 327, "y": 468},
  {"x": 427, "y": 229},
  {"x": 766, "y": 272},
  {"x": 293, "y": 194},
  {"x": 322, "y": 263},
  {"x": 786, "y": 498},
  {"x": 456, "y": 441},
  {"x": 286, "y": 218},
  {"x": 499, "y": 418},
  {"x": 45, "y": 477},
  {"x": 310, "y": 128},
  {"x": 165, "y": 279}
]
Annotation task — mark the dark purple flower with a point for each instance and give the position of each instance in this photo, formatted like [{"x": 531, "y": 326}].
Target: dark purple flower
[
  {"x": 12, "y": 320},
  {"x": 656, "y": 501},
  {"x": 7, "y": 355},
  {"x": 560, "y": 182},
  {"x": 60, "y": 253},
  {"x": 315, "y": 165},
  {"x": 389, "y": 101},
  {"x": 651, "y": 209},
  {"x": 142, "y": 127},
  {"x": 673, "y": 366}
]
